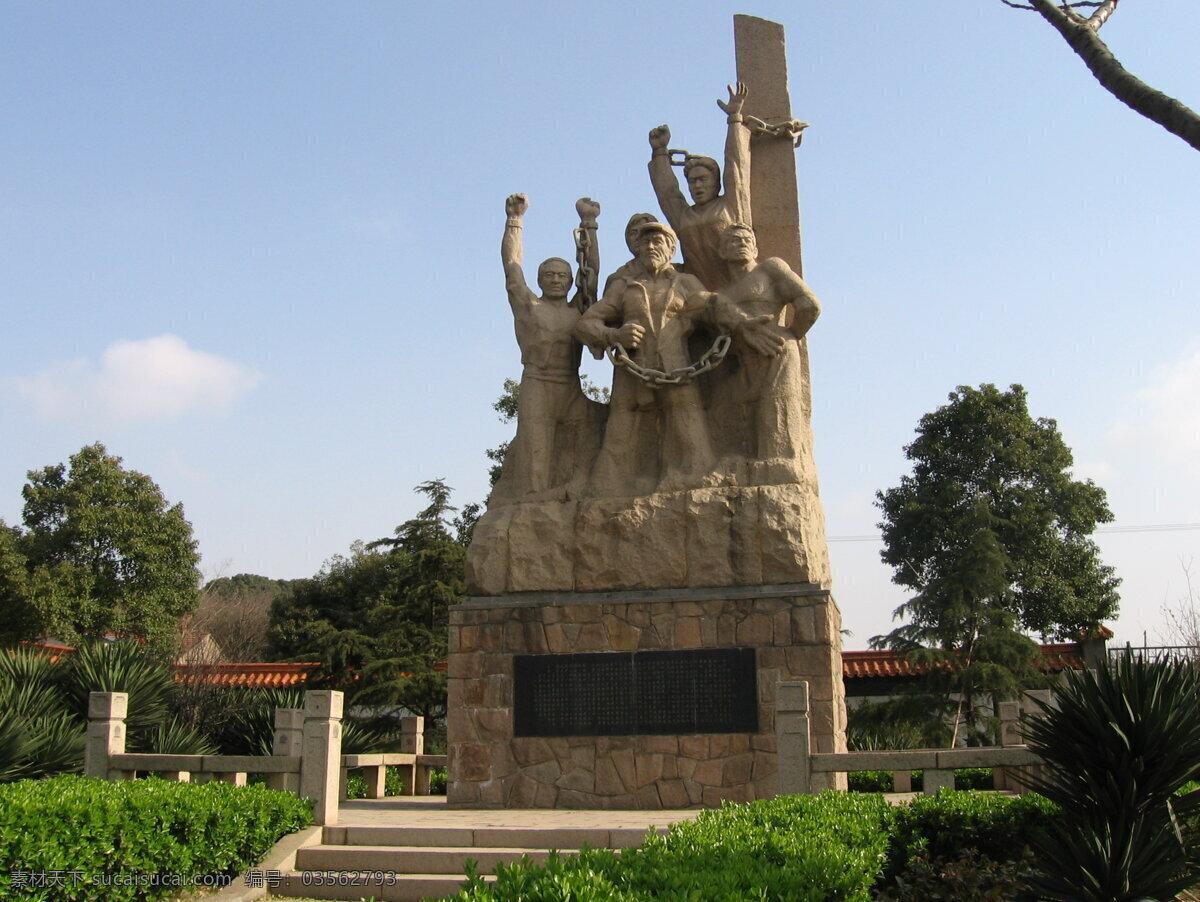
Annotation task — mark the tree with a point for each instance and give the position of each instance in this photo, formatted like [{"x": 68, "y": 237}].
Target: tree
[
  {"x": 990, "y": 532},
  {"x": 378, "y": 620},
  {"x": 104, "y": 553},
  {"x": 1081, "y": 32}
]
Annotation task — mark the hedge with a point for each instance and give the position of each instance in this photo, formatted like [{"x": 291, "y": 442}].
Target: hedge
[{"x": 77, "y": 839}]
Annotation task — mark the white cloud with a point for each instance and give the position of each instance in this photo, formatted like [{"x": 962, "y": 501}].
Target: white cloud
[
  {"x": 1167, "y": 421},
  {"x": 155, "y": 378}
]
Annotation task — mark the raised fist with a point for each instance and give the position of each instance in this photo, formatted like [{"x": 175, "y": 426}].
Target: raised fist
[
  {"x": 587, "y": 209},
  {"x": 660, "y": 137},
  {"x": 516, "y": 205}
]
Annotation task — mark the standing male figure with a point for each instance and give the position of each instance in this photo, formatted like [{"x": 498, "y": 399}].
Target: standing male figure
[
  {"x": 773, "y": 385},
  {"x": 699, "y": 224},
  {"x": 656, "y": 314},
  {"x": 550, "y": 396}
]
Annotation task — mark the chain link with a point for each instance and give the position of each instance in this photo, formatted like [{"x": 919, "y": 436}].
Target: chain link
[
  {"x": 584, "y": 274},
  {"x": 793, "y": 129},
  {"x": 680, "y": 375}
]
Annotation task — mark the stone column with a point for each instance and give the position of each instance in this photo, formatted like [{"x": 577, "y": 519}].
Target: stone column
[
  {"x": 288, "y": 742},
  {"x": 105, "y": 734},
  {"x": 792, "y": 736},
  {"x": 321, "y": 761}
]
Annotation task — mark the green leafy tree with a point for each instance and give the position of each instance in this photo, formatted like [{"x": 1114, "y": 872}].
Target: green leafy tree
[
  {"x": 990, "y": 533},
  {"x": 378, "y": 620},
  {"x": 103, "y": 553}
]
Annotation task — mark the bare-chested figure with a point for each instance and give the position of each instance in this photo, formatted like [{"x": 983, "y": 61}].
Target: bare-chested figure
[
  {"x": 772, "y": 385},
  {"x": 550, "y": 395},
  {"x": 699, "y": 224}
]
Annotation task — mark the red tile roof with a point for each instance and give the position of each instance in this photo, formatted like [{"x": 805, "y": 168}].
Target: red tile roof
[
  {"x": 860, "y": 664},
  {"x": 255, "y": 676}
]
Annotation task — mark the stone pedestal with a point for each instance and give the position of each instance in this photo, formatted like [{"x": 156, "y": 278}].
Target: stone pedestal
[{"x": 792, "y": 629}]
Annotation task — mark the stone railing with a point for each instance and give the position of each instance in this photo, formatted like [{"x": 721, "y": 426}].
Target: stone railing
[
  {"x": 306, "y": 754},
  {"x": 803, "y": 771}
]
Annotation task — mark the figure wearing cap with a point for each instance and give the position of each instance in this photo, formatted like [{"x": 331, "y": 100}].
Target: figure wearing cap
[{"x": 651, "y": 318}]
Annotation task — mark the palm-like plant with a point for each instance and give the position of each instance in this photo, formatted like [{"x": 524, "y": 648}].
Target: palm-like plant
[{"x": 1120, "y": 745}]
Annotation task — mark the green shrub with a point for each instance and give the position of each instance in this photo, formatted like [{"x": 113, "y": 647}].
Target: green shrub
[
  {"x": 869, "y": 781},
  {"x": 437, "y": 781},
  {"x": 946, "y": 824},
  {"x": 356, "y": 783},
  {"x": 98, "y": 832},
  {"x": 971, "y": 877},
  {"x": 973, "y": 778},
  {"x": 801, "y": 848}
]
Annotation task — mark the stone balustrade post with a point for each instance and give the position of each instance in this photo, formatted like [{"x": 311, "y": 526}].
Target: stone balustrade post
[
  {"x": 412, "y": 742},
  {"x": 412, "y": 735},
  {"x": 321, "y": 761},
  {"x": 793, "y": 739},
  {"x": 105, "y": 734},
  {"x": 1010, "y": 735},
  {"x": 288, "y": 742},
  {"x": 1036, "y": 704}
]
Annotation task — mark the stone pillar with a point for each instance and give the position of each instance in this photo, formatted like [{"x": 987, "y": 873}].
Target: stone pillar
[
  {"x": 288, "y": 742},
  {"x": 321, "y": 761},
  {"x": 105, "y": 734},
  {"x": 412, "y": 735},
  {"x": 793, "y": 739}
]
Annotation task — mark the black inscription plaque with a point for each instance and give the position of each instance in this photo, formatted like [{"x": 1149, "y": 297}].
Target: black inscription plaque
[{"x": 710, "y": 690}]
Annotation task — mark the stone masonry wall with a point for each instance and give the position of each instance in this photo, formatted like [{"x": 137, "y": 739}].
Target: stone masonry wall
[{"x": 794, "y": 629}]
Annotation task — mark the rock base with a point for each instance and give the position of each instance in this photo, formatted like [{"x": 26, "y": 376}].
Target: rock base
[
  {"x": 794, "y": 630},
  {"x": 721, "y": 536}
]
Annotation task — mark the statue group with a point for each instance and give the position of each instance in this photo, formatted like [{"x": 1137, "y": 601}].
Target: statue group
[{"x": 710, "y": 383}]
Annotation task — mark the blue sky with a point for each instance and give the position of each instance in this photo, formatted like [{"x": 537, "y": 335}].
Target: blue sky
[{"x": 253, "y": 247}]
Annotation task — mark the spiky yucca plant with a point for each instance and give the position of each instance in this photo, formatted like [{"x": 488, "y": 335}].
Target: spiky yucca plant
[{"x": 1121, "y": 743}]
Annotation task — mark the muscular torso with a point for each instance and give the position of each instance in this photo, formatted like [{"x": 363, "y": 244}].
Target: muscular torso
[{"x": 543, "y": 331}]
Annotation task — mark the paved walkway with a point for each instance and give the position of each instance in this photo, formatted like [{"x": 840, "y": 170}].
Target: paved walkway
[{"x": 432, "y": 811}]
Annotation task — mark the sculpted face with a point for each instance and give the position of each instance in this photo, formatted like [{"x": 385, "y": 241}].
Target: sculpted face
[
  {"x": 632, "y": 230},
  {"x": 655, "y": 249},
  {"x": 738, "y": 245},
  {"x": 554, "y": 278},
  {"x": 702, "y": 184}
]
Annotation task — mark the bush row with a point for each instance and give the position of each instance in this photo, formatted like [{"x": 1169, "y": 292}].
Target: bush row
[
  {"x": 74, "y": 839},
  {"x": 835, "y": 846}
]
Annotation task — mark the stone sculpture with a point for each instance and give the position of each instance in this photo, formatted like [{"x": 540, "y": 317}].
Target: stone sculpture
[
  {"x": 699, "y": 224},
  {"x": 698, "y": 473},
  {"x": 770, "y": 389},
  {"x": 553, "y": 443}
]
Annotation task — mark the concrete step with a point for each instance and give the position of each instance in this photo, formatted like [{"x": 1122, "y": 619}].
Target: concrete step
[
  {"x": 489, "y": 837},
  {"x": 413, "y": 859},
  {"x": 407, "y": 864},
  {"x": 401, "y": 888}
]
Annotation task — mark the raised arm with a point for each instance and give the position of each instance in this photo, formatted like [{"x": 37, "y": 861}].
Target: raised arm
[
  {"x": 666, "y": 185},
  {"x": 511, "y": 250},
  {"x": 587, "y": 280},
  {"x": 737, "y": 157}
]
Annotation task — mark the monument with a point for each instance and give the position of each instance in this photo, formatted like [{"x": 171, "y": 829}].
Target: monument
[{"x": 647, "y": 571}]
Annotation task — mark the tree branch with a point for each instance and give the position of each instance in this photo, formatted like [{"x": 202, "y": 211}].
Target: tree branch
[{"x": 1168, "y": 112}]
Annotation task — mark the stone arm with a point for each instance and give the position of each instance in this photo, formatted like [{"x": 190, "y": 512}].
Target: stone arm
[
  {"x": 593, "y": 329},
  {"x": 736, "y": 176},
  {"x": 588, "y": 278},
  {"x": 662, "y": 177},
  {"x": 805, "y": 306},
  {"x": 512, "y": 254},
  {"x": 757, "y": 332}
]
